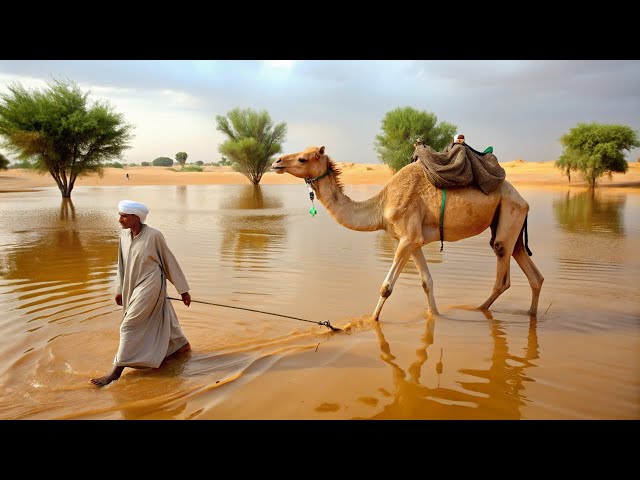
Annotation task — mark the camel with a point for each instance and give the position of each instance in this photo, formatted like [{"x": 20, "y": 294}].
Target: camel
[{"x": 408, "y": 209}]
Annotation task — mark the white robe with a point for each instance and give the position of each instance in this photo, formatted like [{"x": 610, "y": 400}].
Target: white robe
[{"x": 150, "y": 330}]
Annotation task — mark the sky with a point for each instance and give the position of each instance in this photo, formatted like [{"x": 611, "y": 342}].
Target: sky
[{"x": 520, "y": 107}]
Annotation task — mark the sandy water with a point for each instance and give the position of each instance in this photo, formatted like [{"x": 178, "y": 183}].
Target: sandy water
[{"x": 260, "y": 249}]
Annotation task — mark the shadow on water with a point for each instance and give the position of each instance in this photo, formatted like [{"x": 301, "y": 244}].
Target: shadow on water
[{"x": 498, "y": 394}]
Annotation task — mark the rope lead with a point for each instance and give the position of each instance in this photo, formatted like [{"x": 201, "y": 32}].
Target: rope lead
[{"x": 324, "y": 324}]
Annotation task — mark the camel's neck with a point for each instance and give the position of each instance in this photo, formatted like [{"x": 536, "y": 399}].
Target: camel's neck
[{"x": 362, "y": 216}]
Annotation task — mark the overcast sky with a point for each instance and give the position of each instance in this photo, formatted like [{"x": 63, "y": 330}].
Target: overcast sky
[{"x": 520, "y": 107}]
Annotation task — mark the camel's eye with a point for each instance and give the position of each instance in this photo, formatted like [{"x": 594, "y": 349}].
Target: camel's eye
[{"x": 302, "y": 160}]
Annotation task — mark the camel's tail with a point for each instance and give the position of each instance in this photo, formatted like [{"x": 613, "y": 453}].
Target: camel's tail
[{"x": 526, "y": 236}]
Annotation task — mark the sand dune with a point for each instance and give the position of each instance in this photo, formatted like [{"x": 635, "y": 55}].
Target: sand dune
[{"x": 518, "y": 172}]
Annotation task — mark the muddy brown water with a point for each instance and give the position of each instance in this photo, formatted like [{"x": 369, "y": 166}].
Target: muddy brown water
[{"x": 260, "y": 249}]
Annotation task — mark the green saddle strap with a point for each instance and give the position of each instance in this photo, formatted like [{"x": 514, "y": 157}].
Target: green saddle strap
[{"x": 444, "y": 198}]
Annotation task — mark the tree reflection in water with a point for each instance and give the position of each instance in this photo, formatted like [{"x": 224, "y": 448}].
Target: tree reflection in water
[
  {"x": 590, "y": 212},
  {"x": 60, "y": 263},
  {"x": 248, "y": 235}
]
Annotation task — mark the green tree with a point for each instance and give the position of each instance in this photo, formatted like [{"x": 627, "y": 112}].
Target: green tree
[
  {"x": 4, "y": 162},
  {"x": 162, "y": 162},
  {"x": 596, "y": 149},
  {"x": 58, "y": 130},
  {"x": 400, "y": 129},
  {"x": 181, "y": 158},
  {"x": 252, "y": 141}
]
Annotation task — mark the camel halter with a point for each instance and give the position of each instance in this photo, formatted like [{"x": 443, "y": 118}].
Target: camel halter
[{"x": 309, "y": 182}]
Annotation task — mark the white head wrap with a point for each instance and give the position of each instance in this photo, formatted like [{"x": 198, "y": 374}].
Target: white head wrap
[
  {"x": 458, "y": 138},
  {"x": 135, "y": 208}
]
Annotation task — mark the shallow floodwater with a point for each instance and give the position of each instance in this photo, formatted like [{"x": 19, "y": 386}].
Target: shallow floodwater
[{"x": 245, "y": 249}]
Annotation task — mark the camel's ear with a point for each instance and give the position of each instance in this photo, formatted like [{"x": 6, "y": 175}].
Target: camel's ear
[{"x": 320, "y": 152}]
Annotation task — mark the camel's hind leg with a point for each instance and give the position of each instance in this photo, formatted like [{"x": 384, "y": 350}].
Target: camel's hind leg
[
  {"x": 506, "y": 235},
  {"x": 425, "y": 276},
  {"x": 531, "y": 271},
  {"x": 404, "y": 250}
]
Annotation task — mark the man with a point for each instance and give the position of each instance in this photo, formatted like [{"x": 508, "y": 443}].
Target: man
[{"x": 150, "y": 331}]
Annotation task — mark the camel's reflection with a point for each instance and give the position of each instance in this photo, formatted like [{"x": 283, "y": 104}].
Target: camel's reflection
[{"x": 499, "y": 394}]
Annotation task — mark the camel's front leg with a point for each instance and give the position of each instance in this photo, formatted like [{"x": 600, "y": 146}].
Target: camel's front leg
[
  {"x": 425, "y": 276},
  {"x": 404, "y": 250}
]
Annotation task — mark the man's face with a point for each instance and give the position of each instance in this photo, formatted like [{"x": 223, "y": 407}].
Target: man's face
[{"x": 128, "y": 220}]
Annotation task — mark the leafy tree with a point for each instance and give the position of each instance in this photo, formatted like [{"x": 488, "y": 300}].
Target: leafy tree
[
  {"x": 253, "y": 141},
  {"x": 61, "y": 132},
  {"x": 400, "y": 129},
  {"x": 4, "y": 162},
  {"x": 162, "y": 162},
  {"x": 145, "y": 164},
  {"x": 595, "y": 149},
  {"x": 200, "y": 163},
  {"x": 181, "y": 158}
]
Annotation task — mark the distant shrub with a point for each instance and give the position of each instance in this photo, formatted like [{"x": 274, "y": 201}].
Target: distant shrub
[
  {"x": 200, "y": 162},
  {"x": 192, "y": 168},
  {"x": 162, "y": 162},
  {"x": 145, "y": 164},
  {"x": 114, "y": 165}
]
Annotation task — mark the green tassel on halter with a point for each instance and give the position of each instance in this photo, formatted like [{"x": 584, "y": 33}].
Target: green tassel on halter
[{"x": 312, "y": 210}]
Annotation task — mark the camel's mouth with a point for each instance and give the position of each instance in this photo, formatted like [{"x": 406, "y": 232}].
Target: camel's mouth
[{"x": 277, "y": 169}]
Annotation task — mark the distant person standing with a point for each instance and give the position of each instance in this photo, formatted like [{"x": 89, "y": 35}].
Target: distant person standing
[
  {"x": 127, "y": 177},
  {"x": 149, "y": 331}
]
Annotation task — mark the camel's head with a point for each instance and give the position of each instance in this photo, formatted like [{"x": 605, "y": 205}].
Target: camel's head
[{"x": 309, "y": 163}]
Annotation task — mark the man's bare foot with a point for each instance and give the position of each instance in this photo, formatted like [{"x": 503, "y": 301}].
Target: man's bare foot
[
  {"x": 102, "y": 381},
  {"x": 107, "y": 379}
]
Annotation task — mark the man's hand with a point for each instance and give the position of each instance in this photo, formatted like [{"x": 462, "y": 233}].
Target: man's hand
[
  {"x": 119, "y": 299},
  {"x": 186, "y": 298}
]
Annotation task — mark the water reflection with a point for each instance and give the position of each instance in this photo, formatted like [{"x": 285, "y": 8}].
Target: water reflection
[
  {"x": 60, "y": 262},
  {"x": 251, "y": 197},
  {"x": 590, "y": 211},
  {"x": 591, "y": 242},
  {"x": 251, "y": 237},
  {"x": 498, "y": 395},
  {"x": 58, "y": 320}
]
